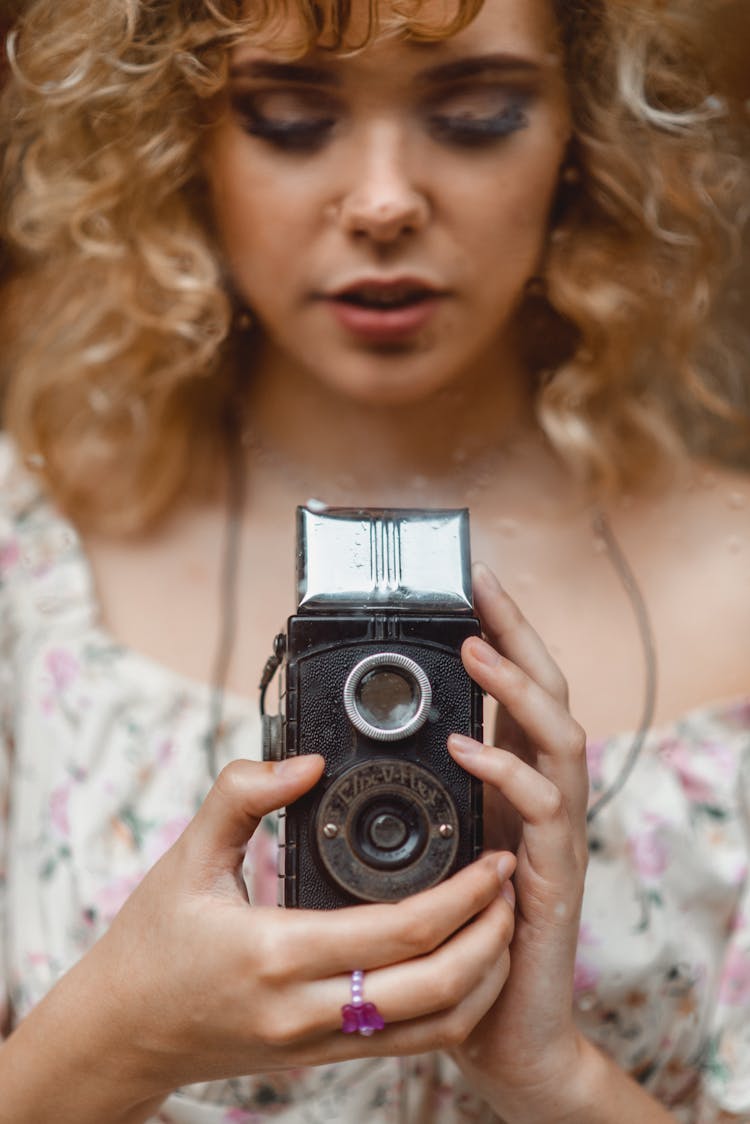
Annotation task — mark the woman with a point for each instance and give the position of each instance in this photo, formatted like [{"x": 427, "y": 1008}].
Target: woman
[{"x": 407, "y": 255}]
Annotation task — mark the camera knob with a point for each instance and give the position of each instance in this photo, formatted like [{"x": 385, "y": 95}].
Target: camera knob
[{"x": 273, "y": 741}]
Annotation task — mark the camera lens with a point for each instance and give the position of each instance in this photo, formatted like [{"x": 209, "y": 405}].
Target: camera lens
[
  {"x": 387, "y": 699},
  {"x": 389, "y": 833},
  {"x": 387, "y": 696},
  {"x": 385, "y": 828}
]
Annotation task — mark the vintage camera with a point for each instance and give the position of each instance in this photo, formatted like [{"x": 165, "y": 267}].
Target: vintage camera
[{"x": 372, "y": 679}]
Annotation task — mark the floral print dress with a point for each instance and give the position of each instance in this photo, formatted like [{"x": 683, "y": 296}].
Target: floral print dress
[{"x": 103, "y": 762}]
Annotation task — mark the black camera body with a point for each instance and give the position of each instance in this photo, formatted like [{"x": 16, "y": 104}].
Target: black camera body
[{"x": 373, "y": 681}]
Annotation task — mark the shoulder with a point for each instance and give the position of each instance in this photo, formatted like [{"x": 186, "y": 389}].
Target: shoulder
[
  {"x": 40, "y": 559},
  {"x": 690, "y": 549},
  {"x": 702, "y": 517},
  {"x": 19, "y": 489}
]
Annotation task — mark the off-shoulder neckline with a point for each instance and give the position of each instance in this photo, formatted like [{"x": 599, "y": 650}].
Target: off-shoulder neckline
[{"x": 148, "y": 668}]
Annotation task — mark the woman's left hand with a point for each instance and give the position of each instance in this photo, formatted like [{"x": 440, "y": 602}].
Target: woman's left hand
[{"x": 525, "y": 1051}]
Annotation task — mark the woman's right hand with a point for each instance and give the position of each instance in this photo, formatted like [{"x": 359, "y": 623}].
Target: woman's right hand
[{"x": 199, "y": 984}]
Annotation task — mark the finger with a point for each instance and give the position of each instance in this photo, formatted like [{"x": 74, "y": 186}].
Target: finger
[
  {"x": 312, "y": 944},
  {"x": 440, "y": 982},
  {"x": 419, "y": 1035},
  {"x": 559, "y": 740},
  {"x": 548, "y": 834},
  {"x": 424, "y": 986},
  {"x": 508, "y": 630},
  {"x": 244, "y": 792}
]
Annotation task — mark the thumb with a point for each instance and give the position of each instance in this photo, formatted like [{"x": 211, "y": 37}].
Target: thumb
[{"x": 243, "y": 793}]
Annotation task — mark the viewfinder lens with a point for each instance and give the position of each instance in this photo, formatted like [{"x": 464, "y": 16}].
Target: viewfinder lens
[{"x": 388, "y": 699}]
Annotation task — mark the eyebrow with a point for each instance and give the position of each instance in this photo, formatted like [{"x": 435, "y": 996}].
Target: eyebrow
[
  {"x": 285, "y": 72},
  {"x": 453, "y": 71}
]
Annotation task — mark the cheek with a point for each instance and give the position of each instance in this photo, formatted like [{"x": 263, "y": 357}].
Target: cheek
[
  {"x": 510, "y": 221},
  {"x": 249, "y": 218}
]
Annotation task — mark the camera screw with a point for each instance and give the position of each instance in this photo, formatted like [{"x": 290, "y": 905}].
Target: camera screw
[
  {"x": 330, "y": 830},
  {"x": 446, "y": 830}
]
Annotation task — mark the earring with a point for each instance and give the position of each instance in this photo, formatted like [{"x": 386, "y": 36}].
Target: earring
[
  {"x": 570, "y": 173},
  {"x": 243, "y": 320},
  {"x": 536, "y": 287}
]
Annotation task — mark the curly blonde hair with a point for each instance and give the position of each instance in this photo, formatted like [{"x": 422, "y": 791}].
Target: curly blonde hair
[{"x": 121, "y": 362}]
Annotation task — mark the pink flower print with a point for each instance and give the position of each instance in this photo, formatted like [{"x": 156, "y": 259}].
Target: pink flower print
[
  {"x": 10, "y": 554},
  {"x": 650, "y": 852},
  {"x": 585, "y": 977},
  {"x": 63, "y": 668},
  {"x": 699, "y": 769},
  {"x": 161, "y": 840},
  {"x": 58, "y": 810},
  {"x": 587, "y": 938},
  {"x": 112, "y": 897},
  {"x": 734, "y": 989},
  {"x": 164, "y": 753},
  {"x": 595, "y": 761}
]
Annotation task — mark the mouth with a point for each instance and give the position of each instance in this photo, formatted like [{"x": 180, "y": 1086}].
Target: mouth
[
  {"x": 385, "y": 311},
  {"x": 385, "y": 296}
]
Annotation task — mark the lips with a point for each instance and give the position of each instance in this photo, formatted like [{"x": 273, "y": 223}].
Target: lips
[
  {"x": 383, "y": 295},
  {"x": 385, "y": 310}
]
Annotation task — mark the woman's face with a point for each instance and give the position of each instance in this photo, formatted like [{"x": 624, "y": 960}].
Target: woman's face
[{"x": 382, "y": 213}]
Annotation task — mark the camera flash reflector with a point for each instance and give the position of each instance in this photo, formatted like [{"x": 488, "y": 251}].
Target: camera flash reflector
[{"x": 413, "y": 561}]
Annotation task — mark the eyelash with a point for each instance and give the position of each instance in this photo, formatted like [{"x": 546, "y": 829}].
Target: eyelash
[
  {"x": 475, "y": 132},
  {"x": 457, "y": 131}
]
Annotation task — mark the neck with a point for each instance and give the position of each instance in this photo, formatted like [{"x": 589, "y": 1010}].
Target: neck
[{"x": 437, "y": 451}]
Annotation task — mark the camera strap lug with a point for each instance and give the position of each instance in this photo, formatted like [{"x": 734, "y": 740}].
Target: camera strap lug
[{"x": 273, "y": 663}]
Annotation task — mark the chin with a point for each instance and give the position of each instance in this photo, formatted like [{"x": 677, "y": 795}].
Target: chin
[{"x": 383, "y": 384}]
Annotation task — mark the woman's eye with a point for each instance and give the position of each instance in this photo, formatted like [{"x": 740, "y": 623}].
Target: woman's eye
[
  {"x": 480, "y": 117},
  {"x": 285, "y": 121}
]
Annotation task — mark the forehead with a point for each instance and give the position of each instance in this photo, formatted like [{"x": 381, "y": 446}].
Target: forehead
[{"x": 513, "y": 25}]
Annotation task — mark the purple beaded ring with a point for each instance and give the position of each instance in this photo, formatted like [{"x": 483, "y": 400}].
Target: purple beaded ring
[{"x": 359, "y": 1017}]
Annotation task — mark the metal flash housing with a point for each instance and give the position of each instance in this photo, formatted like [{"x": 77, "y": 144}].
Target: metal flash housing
[{"x": 383, "y": 558}]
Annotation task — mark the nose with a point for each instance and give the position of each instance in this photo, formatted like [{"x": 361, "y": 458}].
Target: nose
[{"x": 383, "y": 202}]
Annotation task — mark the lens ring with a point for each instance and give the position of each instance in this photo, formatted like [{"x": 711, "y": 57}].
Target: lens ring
[
  {"x": 355, "y": 793},
  {"x": 402, "y": 665}
]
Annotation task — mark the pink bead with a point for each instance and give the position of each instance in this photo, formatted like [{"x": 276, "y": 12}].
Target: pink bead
[
  {"x": 358, "y": 1016},
  {"x": 370, "y": 1019}
]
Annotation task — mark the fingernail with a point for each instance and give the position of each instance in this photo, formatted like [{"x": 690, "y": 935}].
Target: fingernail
[
  {"x": 459, "y": 743},
  {"x": 483, "y": 574},
  {"x": 506, "y": 864},
  {"x": 482, "y": 652},
  {"x": 509, "y": 894}
]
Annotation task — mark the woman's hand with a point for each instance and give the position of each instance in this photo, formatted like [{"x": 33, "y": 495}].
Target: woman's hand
[
  {"x": 526, "y": 1049},
  {"x": 193, "y": 983}
]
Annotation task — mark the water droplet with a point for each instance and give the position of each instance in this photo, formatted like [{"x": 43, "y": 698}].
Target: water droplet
[
  {"x": 507, "y": 527},
  {"x": 737, "y": 500},
  {"x": 99, "y": 401},
  {"x": 526, "y": 581},
  {"x": 317, "y": 507}
]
